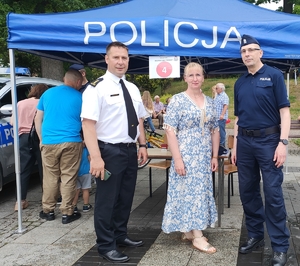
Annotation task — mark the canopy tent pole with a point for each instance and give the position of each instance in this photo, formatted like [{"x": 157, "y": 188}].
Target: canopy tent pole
[
  {"x": 288, "y": 93},
  {"x": 16, "y": 137}
]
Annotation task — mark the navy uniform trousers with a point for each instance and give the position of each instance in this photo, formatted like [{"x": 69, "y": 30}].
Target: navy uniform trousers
[
  {"x": 255, "y": 156},
  {"x": 113, "y": 199}
]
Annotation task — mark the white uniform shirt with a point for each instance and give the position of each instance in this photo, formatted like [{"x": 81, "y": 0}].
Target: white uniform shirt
[{"x": 105, "y": 104}]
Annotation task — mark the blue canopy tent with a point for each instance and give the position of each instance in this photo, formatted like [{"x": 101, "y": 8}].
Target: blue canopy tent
[{"x": 205, "y": 31}]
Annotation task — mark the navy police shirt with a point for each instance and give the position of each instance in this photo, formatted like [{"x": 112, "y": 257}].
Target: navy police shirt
[{"x": 259, "y": 97}]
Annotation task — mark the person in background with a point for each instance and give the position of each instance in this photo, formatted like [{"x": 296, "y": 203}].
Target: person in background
[
  {"x": 111, "y": 137},
  {"x": 28, "y": 155},
  {"x": 148, "y": 104},
  {"x": 213, "y": 91},
  {"x": 261, "y": 130},
  {"x": 82, "y": 71},
  {"x": 159, "y": 110},
  {"x": 58, "y": 125},
  {"x": 221, "y": 104},
  {"x": 167, "y": 103},
  {"x": 193, "y": 138},
  {"x": 84, "y": 182}
]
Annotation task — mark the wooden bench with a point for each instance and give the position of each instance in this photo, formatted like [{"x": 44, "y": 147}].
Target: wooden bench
[
  {"x": 295, "y": 129},
  {"x": 155, "y": 122}
]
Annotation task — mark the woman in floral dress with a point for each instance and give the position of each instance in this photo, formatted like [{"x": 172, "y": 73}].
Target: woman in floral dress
[{"x": 192, "y": 131}]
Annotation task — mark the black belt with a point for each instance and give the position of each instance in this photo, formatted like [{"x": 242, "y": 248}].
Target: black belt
[
  {"x": 259, "y": 132},
  {"x": 129, "y": 144}
]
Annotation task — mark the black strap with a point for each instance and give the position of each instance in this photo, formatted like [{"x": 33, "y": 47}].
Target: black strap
[
  {"x": 32, "y": 125},
  {"x": 33, "y": 136}
]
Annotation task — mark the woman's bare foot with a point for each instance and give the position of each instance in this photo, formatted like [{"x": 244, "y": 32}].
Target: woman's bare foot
[{"x": 202, "y": 245}]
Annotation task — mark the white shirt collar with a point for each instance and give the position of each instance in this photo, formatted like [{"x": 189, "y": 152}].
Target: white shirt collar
[{"x": 113, "y": 77}]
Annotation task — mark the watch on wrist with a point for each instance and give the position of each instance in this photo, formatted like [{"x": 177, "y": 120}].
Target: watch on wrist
[
  {"x": 143, "y": 146},
  {"x": 284, "y": 141}
]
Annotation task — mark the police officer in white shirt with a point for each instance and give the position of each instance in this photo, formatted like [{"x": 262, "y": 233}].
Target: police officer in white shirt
[{"x": 105, "y": 129}]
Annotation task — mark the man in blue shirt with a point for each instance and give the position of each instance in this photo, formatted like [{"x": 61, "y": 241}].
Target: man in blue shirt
[
  {"x": 261, "y": 130},
  {"x": 58, "y": 126},
  {"x": 221, "y": 103}
]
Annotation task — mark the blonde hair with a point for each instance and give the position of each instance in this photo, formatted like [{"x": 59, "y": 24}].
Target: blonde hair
[
  {"x": 192, "y": 65},
  {"x": 147, "y": 100},
  {"x": 213, "y": 91}
]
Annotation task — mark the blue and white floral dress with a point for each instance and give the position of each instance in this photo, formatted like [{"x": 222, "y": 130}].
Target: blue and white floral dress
[{"x": 190, "y": 202}]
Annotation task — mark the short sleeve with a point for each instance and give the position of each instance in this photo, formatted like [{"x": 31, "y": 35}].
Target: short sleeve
[
  {"x": 90, "y": 102},
  {"x": 172, "y": 116},
  {"x": 40, "y": 105}
]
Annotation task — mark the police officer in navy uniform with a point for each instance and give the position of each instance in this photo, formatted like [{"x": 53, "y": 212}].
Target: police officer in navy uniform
[
  {"x": 112, "y": 146},
  {"x": 82, "y": 71},
  {"x": 261, "y": 130}
]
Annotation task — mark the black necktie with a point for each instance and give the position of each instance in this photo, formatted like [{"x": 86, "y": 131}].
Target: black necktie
[{"x": 131, "y": 114}]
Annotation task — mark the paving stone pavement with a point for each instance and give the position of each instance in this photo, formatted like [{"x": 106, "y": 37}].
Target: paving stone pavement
[{"x": 52, "y": 243}]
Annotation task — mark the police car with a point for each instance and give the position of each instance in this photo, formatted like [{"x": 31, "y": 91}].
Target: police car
[{"x": 23, "y": 85}]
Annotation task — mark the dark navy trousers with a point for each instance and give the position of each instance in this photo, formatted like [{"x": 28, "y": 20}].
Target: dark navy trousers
[
  {"x": 255, "y": 159},
  {"x": 113, "y": 199},
  {"x": 28, "y": 158}
]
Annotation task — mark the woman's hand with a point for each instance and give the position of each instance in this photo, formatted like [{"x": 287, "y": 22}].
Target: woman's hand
[
  {"x": 214, "y": 164},
  {"x": 179, "y": 167}
]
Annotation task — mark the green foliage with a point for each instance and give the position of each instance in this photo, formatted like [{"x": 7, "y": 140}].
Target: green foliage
[
  {"x": 164, "y": 98},
  {"x": 144, "y": 83},
  {"x": 258, "y": 2},
  {"x": 158, "y": 86},
  {"x": 36, "y": 7},
  {"x": 94, "y": 73},
  {"x": 291, "y": 6},
  {"x": 296, "y": 9}
]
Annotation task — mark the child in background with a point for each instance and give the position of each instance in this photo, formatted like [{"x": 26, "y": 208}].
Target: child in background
[
  {"x": 148, "y": 104},
  {"x": 167, "y": 103},
  {"x": 83, "y": 182}
]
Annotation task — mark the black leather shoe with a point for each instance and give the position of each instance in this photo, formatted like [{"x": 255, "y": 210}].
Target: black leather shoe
[
  {"x": 251, "y": 244},
  {"x": 70, "y": 218},
  {"x": 115, "y": 256},
  {"x": 279, "y": 258},
  {"x": 127, "y": 242},
  {"x": 48, "y": 216}
]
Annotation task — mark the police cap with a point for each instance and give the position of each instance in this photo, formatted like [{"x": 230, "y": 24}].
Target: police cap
[
  {"x": 76, "y": 67},
  {"x": 247, "y": 39}
]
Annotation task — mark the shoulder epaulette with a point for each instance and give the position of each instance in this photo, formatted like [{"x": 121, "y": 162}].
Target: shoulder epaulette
[{"x": 94, "y": 83}]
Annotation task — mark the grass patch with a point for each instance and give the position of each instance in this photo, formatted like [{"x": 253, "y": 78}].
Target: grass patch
[{"x": 296, "y": 141}]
